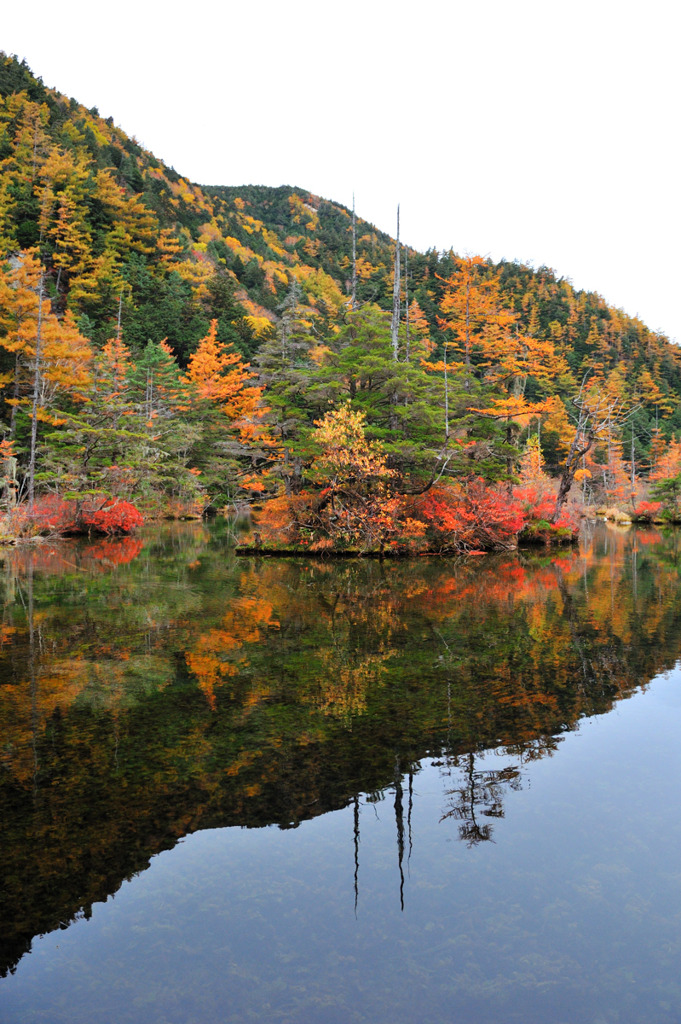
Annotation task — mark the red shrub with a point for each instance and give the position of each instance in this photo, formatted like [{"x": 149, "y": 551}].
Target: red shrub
[
  {"x": 538, "y": 507},
  {"x": 646, "y": 511},
  {"x": 114, "y": 517},
  {"x": 52, "y": 514},
  {"x": 474, "y": 516}
]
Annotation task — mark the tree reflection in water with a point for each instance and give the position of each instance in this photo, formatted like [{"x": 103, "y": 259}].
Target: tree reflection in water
[
  {"x": 168, "y": 687},
  {"x": 478, "y": 793}
]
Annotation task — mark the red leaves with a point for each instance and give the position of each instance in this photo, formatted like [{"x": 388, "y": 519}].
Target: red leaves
[
  {"x": 114, "y": 552},
  {"x": 471, "y": 517},
  {"x": 476, "y": 516},
  {"x": 114, "y": 517},
  {"x": 646, "y": 511},
  {"x": 466, "y": 517},
  {"x": 52, "y": 514},
  {"x": 536, "y": 505},
  {"x": 538, "y": 509}
]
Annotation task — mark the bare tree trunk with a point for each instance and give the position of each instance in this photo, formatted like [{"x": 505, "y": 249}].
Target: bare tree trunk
[
  {"x": 406, "y": 301},
  {"x": 353, "y": 292},
  {"x": 120, "y": 310},
  {"x": 399, "y": 822},
  {"x": 13, "y": 416},
  {"x": 36, "y": 393},
  {"x": 396, "y": 292},
  {"x": 595, "y": 418},
  {"x": 355, "y": 833},
  {"x": 577, "y": 451},
  {"x": 446, "y": 396}
]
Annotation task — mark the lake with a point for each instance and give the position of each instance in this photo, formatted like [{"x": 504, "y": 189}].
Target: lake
[{"x": 252, "y": 789}]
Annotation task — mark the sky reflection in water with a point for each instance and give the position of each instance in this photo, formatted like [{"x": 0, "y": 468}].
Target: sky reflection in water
[{"x": 538, "y": 881}]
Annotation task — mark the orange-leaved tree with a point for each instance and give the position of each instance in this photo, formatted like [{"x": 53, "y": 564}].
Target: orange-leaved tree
[
  {"x": 228, "y": 408},
  {"x": 46, "y": 349},
  {"x": 221, "y": 377},
  {"x": 471, "y": 308},
  {"x": 667, "y": 459}
]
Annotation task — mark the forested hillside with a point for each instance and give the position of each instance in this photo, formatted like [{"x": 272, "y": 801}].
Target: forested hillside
[{"x": 165, "y": 342}]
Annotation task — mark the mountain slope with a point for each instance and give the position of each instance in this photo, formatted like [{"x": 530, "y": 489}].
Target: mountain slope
[{"x": 125, "y": 237}]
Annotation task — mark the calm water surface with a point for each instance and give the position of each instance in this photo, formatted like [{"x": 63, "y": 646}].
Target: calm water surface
[{"x": 237, "y": 790}]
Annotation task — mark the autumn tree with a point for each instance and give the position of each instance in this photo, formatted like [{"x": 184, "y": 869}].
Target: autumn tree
[
  {"x": 598, "y": 414},
  {"x": 531, "y": 469},
  {"x": 23, "y": 124},
  {"x": 355, "y": 504},
  {"x": 649, "y": 393},
  {"x": 658, "y": 448},
  {"x": 401, "y": 400},
  {"x": 471, "y": 309},
  {"x": 667, "y": 460},
  {"x": 52, "y": 359},
  {"x": 101, "y": 444},
  {"x": 221, "y": 377},
  {"x": 228, "y": 408}
]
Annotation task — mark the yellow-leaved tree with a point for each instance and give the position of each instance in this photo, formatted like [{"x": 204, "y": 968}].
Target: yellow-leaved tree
[{"x": 356, "y": 504}]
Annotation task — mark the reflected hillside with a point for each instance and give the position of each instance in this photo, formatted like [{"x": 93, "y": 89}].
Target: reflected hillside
[{"x": 155, "y": 687}]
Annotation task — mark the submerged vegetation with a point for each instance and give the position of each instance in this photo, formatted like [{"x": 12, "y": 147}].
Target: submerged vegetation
[{"x": 175, "y": 349}]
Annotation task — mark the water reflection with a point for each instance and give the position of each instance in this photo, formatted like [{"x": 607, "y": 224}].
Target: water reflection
[
  {"x": 159, "y": 686},
  {"x": 478, "y": 793}
]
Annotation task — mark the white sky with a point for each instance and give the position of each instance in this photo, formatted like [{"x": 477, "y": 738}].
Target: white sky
[{"x": 526, "y": 129}]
